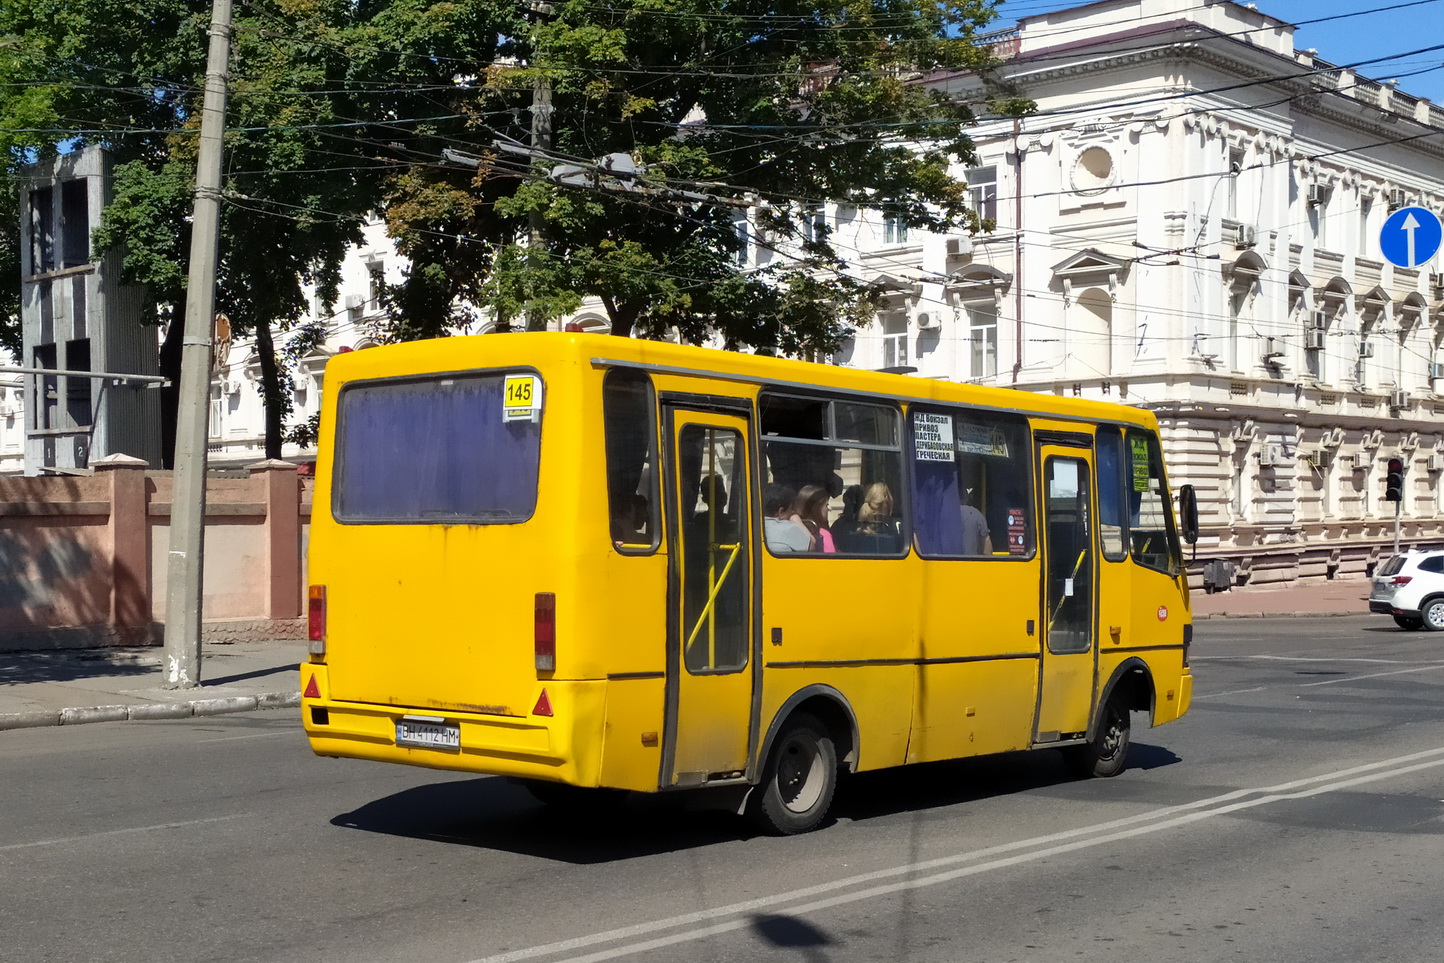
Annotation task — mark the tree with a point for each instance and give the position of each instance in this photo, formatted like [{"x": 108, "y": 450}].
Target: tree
[
  {"x": 684, "y": 130},
  {"x": 130, "y": 79}
]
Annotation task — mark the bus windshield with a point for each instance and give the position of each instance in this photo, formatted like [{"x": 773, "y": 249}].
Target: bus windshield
[{"x": 436, "y": 450}]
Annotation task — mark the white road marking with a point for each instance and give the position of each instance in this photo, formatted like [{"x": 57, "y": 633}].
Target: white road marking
[
  {"x": 1294, "y": 658},
  {"x": 1375, "y": 675},
  {"x": 116, "y": 832},
  {"x": 1220, "y": 695},
  {"x": 717, "y": 920}
]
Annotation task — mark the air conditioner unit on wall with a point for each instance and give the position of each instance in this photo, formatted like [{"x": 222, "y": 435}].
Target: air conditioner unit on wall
[
  {"x": 1319, "y": 319},
  {"x": 957, "y": 246},
  {"x": 1314, "y": 340},
  {"x": 1399, "y": 399},
  {"x": 1366, "y": 349},
  {"x": 1433, "y": 461},
  {"x": 1317, "y": 194},
  {"x": 929, "y": 320},
  {"x": 1397, "y": 198},
  {"x": 1270, "y": 456},
  {"x": 1247, "y": 236},
  {"x": 1436, "y": 370}
]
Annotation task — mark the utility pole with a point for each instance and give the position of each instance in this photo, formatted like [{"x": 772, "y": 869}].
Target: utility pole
[
  {"x": 188, "y": 500},
  {"x": 541, "y": 142}
]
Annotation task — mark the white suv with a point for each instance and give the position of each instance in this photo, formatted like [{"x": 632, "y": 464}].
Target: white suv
[{"x": 1410, "y": 587}]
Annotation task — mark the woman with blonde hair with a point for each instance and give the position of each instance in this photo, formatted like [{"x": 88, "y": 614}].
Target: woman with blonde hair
[
  {"x": 810, "y": 509},
  {"x": 877, "y": 531}
]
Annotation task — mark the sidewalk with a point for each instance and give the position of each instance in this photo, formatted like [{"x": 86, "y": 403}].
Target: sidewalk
[
  {"x": 1342, "y": 597},
  {"x": 71, "y": 686}
]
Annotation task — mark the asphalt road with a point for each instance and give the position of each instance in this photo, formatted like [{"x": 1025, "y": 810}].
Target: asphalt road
[{"x": 1295, "y": 814}]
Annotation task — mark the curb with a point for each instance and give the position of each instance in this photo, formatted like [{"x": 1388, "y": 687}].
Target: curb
[
  {"x": 1273, "y": 615},
  {"x": 161, "y": 710}
]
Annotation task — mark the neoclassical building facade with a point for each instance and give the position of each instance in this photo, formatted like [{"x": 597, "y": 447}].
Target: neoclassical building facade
[{"x": 1190, "y": 222}]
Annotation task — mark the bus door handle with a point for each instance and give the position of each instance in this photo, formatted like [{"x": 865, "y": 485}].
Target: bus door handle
[{"x": 777, "y": 635}]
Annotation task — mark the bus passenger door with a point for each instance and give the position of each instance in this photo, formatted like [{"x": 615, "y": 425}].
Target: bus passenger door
[
  {"x": 1069, "y": 569},
  {"x": 710, "y": 599}
]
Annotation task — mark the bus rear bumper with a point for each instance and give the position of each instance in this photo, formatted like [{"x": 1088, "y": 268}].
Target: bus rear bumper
[{"x": 534, "y": 747}]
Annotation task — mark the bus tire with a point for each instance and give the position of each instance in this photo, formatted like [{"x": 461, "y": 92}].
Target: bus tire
[
  {"x": 799, "y": 780},
  {"x": 1107, "y": 752}
]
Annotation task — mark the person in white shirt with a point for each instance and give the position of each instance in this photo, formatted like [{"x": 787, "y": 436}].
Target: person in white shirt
[{"x": 783, "y": 534}]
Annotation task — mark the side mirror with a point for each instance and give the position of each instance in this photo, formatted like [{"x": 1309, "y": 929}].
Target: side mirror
[{"x": 1188, "y": 512}]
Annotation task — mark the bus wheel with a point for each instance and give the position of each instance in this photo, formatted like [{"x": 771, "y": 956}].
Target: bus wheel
[
  {"x": 1106, "y": 754},
  {"x": 799, "y": 781}
]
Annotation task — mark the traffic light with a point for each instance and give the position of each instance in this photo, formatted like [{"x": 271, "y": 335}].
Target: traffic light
[{"x": 1394, "y": 484}]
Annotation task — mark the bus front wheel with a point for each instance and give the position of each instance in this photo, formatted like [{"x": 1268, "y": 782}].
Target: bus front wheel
[
  {"x": 1106, "y": 753},
  {"x": 799, "y": 781}
]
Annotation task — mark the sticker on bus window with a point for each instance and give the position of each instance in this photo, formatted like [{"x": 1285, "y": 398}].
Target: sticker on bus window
[
  {"x": 522, "y": 398},
  {"x": 933, "y": 436},
  {"x": 1139, "y": 449},
  {"x": 982, "y": 440}
]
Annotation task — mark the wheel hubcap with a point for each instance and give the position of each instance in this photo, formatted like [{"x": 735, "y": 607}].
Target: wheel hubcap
[
  {"x": 799, "y": 775},
  {"x": 1434, "y": 615}
]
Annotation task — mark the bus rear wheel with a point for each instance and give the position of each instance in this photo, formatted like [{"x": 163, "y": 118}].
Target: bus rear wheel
[
  {"x": 1107, "y": 752},
  {"x": 799, "y": 781}
]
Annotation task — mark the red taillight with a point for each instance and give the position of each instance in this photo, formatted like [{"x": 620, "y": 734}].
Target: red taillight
[
  {"x": 546, "y": 632},
  {"x": 1402, "y": 579},
  {"x": 316, "y": 620}
]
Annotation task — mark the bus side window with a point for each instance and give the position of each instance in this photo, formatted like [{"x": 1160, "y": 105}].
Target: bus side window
[
  {"x": 853, "y": 451},
  {"x": 972, "y": 481},
  {"x": 629, "y": 416},
  {"x": 1154, "y": 540},
  {"x": 1112, "y": 503}
]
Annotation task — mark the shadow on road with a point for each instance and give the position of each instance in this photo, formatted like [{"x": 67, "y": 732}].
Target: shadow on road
[
  {"x": 493, "y": 813},
  {"x": 69, "y": 665}
]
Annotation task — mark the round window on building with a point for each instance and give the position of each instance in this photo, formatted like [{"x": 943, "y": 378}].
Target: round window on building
[{"x": 1093, "y": 171}]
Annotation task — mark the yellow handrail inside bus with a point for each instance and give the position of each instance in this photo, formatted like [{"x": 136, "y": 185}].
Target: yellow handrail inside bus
[
  {"x": 706, "y": 613},
  {"x": 1053, "y": 619}
]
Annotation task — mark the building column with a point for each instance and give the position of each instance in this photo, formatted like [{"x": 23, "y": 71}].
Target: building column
[
  {"x": 128, "y": 537},
  {"x": 282, "y": 497}
]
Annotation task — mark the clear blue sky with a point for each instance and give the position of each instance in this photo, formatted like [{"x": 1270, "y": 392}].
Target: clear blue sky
[{"x": 1376, "y": 33}]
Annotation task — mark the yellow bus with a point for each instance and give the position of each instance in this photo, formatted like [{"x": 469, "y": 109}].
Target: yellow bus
[{"x": 596, "y": 563}]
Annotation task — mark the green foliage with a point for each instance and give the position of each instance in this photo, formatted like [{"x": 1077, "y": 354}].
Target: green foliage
[{"x": 726, "y": 107}]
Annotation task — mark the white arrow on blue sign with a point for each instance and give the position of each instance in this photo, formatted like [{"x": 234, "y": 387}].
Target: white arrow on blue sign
[{"x": 1410, "y": 236}]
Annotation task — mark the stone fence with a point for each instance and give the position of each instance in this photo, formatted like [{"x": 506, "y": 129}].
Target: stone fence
[{"x": 83, "y": 559}]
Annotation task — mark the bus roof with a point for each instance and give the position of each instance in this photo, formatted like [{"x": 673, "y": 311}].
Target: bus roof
[{"x": 541, "y": 349}]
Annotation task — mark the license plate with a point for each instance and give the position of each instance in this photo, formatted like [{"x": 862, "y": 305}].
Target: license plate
[{"x": 427, "y": 734}]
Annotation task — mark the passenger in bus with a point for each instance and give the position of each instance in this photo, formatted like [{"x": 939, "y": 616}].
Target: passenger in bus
[
  {"x": 713, "y": 492},
  {"x": 784, "y": 535},
  {"x": 630, "y": 521},
  {"x": 977, "y": 539},
  {"x": 846, "y": 523},
  {"x": 810, "y": 510},
  {"x": 877, "y": 528}
]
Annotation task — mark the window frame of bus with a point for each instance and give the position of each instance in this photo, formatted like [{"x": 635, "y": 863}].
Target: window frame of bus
[
  {"x": 1024, "y": 442},
  {"x": 340, "y": 450},
  {"x": 834, "y": 442},
  {"x": 1174, "y": 564},
  {"x": 654, "y": 517}
]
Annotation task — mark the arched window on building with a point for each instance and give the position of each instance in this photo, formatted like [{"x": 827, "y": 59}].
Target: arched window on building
[
  {"x": 1241, "y": 341},
  {"x": 1415, "y": 350},
  {"x": 1377, "y": 362},
  {"x": 1308, "y": 322},
  {"x": 979, "y": 291},
  {"x": 1334, "y": 303},
  {"x": 1090, "y": 333}
]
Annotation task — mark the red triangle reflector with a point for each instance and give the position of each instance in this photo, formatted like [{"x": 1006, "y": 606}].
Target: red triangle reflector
[
  {"x": 543, "y": 705},
  {"x": 313, "y": 691}
]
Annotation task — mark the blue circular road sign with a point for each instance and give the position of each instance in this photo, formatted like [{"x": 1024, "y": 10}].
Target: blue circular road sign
[{"x": 1410, "y": 236}]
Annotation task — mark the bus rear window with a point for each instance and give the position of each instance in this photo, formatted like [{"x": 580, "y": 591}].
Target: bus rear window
[{"x": 442, "y": 450}]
